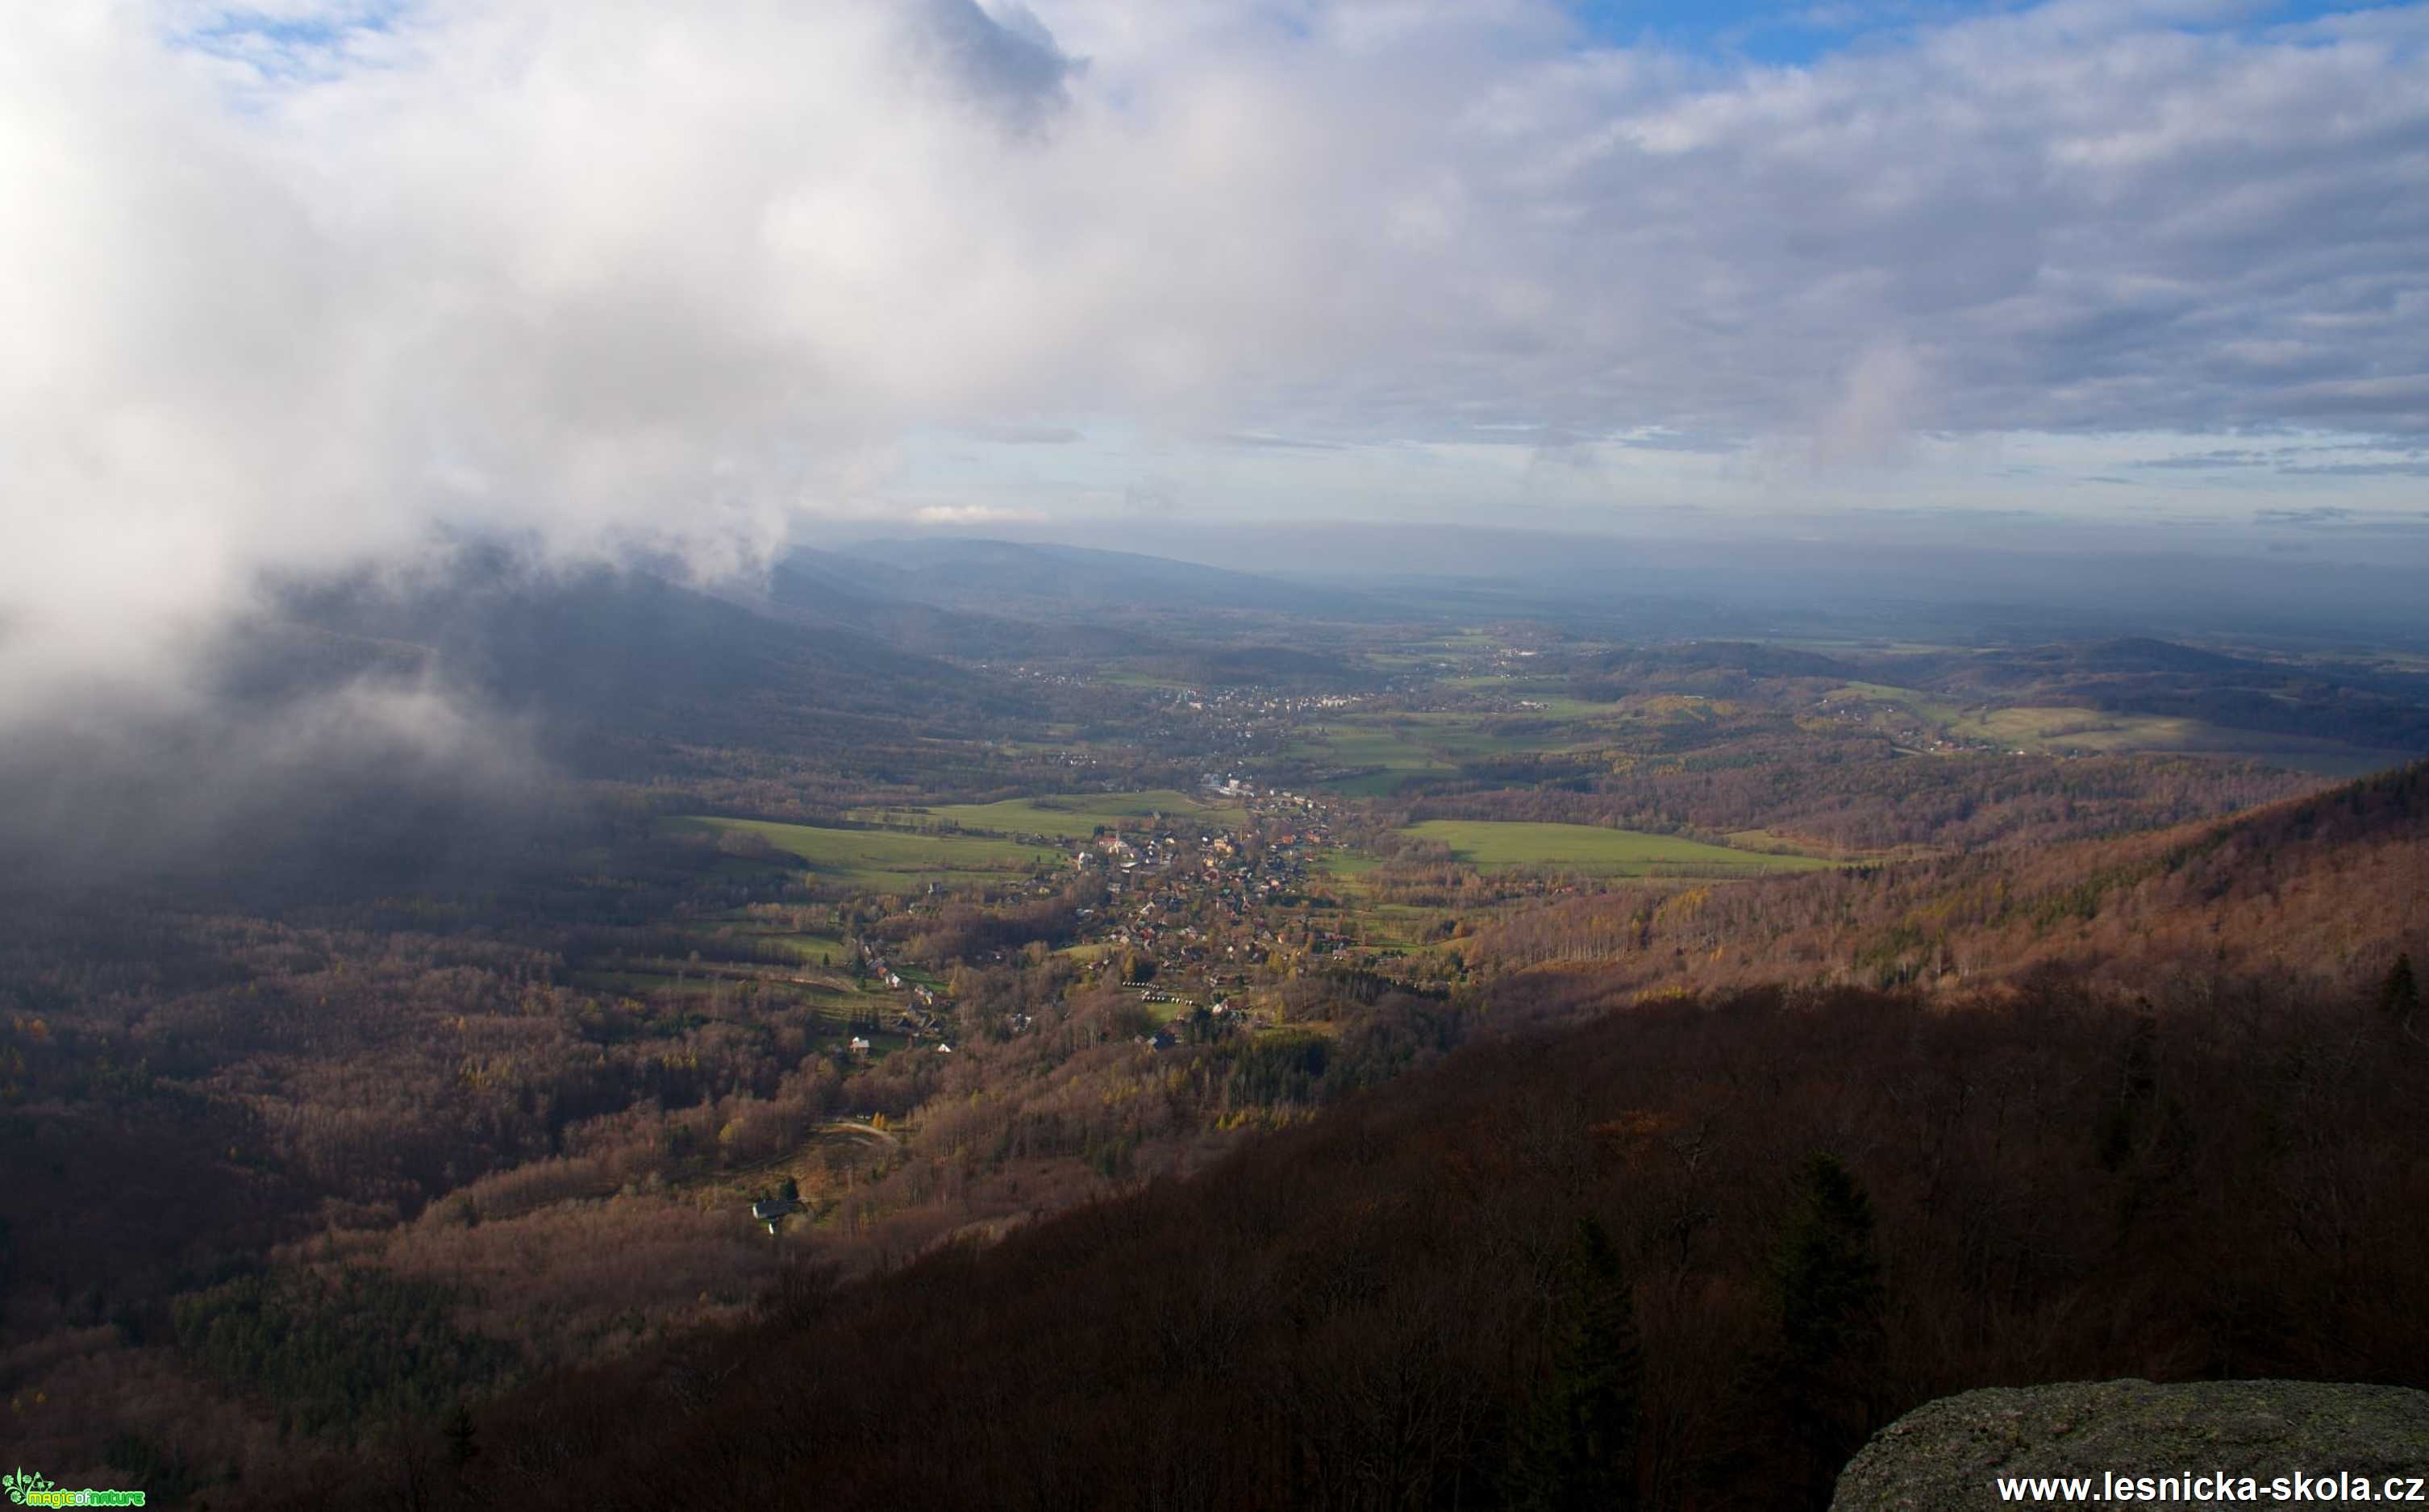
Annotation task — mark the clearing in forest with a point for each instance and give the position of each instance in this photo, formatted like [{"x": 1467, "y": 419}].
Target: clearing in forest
[{"x": 1495, "y": 845}]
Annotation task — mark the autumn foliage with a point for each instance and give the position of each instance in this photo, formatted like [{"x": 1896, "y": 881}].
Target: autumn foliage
[{"x": 1821, "y": 1208}]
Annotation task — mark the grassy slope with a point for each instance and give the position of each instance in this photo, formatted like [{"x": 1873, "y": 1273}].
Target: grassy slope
[
  {"x": 1592, "y": 848},
  {"x": 2058, "y": 729},
  {"x": 879, "y": 857},
  {"x": 1078, "y": 816}
]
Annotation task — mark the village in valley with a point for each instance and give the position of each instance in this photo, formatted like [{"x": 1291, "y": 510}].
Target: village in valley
[
  {"x": 1191, "y": 905},
  {"x": 863, "y": 987}
]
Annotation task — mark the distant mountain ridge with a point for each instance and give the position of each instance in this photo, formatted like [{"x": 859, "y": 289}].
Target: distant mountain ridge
[
  {"x": 625, "y": 653},
  {"x": 987, "y": 600},
  {"x": 872, "y": 598},
  {"x": 957, "y": 570}
]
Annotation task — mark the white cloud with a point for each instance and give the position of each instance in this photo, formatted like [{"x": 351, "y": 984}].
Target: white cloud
[
  {"x": 965, "y": 515},
  {"x": 286, "y": 289}
]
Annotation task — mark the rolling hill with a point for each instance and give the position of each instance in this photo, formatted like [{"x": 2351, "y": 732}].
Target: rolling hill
[{"x": 1757, "y": 1222}]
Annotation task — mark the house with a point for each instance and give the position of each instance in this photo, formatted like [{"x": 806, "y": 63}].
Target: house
[
  {"x": 859, "y": 1045},
  {"x": 773, "y": 1210}
]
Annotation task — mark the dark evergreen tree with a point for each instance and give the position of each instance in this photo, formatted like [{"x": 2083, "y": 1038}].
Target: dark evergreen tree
[
  {"x": 2399, "y": 996},
  {"x": 1576, "y": 1450},
  {"x": 460, "y": 1447},
  {"x": 2137, "y": 1086},
  {"x": 1831, "y": 1301}
]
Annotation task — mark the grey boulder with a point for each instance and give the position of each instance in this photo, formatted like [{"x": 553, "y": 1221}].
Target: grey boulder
[{"x": 2284, "y": 1442}]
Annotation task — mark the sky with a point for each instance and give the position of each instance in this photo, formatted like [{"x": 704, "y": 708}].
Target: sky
[{"x": 307, "y": 287}]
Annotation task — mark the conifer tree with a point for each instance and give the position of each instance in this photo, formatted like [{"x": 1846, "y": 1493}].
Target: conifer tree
[
  {"x": 1577, "y": 1448},
  {"x": 2399, "y": 996},
  {"x": 460, "y": 1448},
  {"x": 1831, "y": 1301},
  {"x": 2137, "y": 1086}
]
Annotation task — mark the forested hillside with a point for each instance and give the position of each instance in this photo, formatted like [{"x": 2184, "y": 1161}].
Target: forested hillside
[
  {"x": 1565, "y": 1237},
  {"x": 2319, "y": 889},
  {"x": 1094, "y": 754},
  {"x": 433, "y": 1068},
  {"x": 1685, "y": 1256}
]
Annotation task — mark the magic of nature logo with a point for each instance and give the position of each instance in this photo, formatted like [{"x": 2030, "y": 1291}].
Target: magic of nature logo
[{"x": 31, "y": 1488}]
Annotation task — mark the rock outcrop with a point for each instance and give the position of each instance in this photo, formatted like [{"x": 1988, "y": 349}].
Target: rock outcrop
[{"x": 1949, "y": 1455}]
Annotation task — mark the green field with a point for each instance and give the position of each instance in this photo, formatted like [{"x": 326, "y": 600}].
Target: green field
[
  {"x": 2058, "y": 729},
  {"x": 806, "y": 948},
  {"x": 885, "y": 858},
  {"x": 1466, "y": 736},
  {"x": 1401, "y": 754},
  {"x": 672, "y": 980},
  {"x": 2078, "y": 731},
  {"x": 1436, "y": 743},
  {"x": 1075, "y": 816},
  {"x": 1560, "y": 706},
  {"x": 1923, "y": 706},
  {"x": 1393, "y": 926},
  {"x": 1133, "y": 678},
  {"x": 826, "y": 947},
  {"x": 1494, "y": 846}
]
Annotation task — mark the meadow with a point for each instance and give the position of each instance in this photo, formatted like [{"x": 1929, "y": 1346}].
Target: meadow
[
  {"x": 887, "y": 858},
  {"x": 1406, "y": 747},
  {"x": 2067, "y": 730},
  {"x": 2063, "y": 730},
  {"x": 810, "y": 947},
  {"x": 1402, "y": 747},
  {"x": 1921, "y": 706},
  {"x": 1075, "y": 815},
  {"x": 1494, "y": 846}
]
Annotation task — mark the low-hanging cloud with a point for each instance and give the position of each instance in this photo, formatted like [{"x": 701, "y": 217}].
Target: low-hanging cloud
[
  {"x": 296, "y": 288},
  {"x": 376, "y": 777}
]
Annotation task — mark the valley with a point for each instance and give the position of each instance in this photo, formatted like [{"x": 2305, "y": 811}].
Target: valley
[
  {"x": 1099, "y": 756},
  {"x": 995, "y": 943}
]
